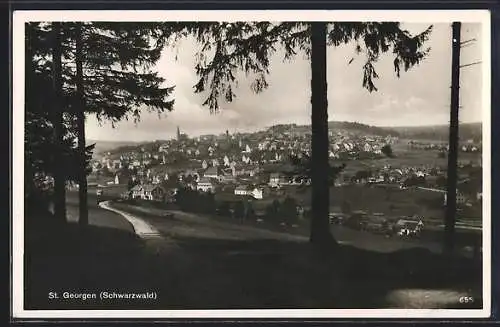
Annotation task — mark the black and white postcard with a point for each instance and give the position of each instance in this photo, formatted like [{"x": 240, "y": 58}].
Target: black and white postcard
[{"x": 251, "y": 164}]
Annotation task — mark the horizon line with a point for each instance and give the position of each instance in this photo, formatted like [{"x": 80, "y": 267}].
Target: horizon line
[{"x": 267, "y": 127}]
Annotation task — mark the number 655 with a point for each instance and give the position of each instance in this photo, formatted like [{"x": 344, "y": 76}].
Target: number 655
[{"x": 466, "y": 299}]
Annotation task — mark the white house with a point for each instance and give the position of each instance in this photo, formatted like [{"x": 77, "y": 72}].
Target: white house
[
  {"x": 241, "y": 190},
  {"x": 205, "y": 185},
  {"x": 255, "y": 192}
]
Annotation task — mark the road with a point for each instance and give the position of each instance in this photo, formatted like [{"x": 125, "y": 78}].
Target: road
[
  {"x": 97, "y": 216},
  {"x": 189, "y": 226},
  {"x": 192, "y": 226},
  {"x": 184, "y": 225}
]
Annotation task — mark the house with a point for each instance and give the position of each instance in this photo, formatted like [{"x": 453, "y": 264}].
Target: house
[
  {"x": 276, "y": 179},
  {"x": 255, "y": 192},
  {"x": 242, "y": 190},
  {"x": 205, "y": 185},
  {"x": 137, "y": 192},
  {"x": 153, "y": 192},
  {"x": 213, "y": 172},
  {"x": 461, "y": 198},
  {"x": 148, "y": 192}
]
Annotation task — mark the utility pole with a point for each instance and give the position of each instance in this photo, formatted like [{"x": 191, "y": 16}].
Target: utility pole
[{"x": 451, "y": 192}]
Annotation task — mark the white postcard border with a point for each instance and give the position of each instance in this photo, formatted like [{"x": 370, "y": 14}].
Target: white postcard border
[{"x": 407, "y": 16}]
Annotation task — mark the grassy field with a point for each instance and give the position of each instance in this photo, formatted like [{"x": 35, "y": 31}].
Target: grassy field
[
  {"x": 405, "y": 157},
  {"x": 430, "y": 238},
  {"x": 390, "y": 201}
]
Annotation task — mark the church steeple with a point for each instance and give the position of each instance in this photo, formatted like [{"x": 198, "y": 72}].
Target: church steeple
[{"x": 178, "y": 134}]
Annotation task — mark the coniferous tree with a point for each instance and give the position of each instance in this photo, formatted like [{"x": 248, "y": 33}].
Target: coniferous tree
[
  {"x": 247, "y": 46},
  {"x": 113, "y": 80},
  {"x": 57, "y": 121},
  {"x": 97, "y": 68},
  {"x": 80, "y": 118}
]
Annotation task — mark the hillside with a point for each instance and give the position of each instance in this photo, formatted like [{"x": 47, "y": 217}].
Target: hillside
[
  {"x": 104, "y": 146},
  {"x": 358, "y": 127},
  {"x": 335, "y": 126},
  {"x": 440, "y": 132}
]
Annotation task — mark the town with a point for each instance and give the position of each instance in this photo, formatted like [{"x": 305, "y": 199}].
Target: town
[{"x": 250, "y": 174}]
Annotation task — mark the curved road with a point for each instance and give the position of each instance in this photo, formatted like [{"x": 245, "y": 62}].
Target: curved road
[
  {"x": 190, "y": 226},
  {"x": 140, "y": 226},
  {"x": 97, "y": 216}
]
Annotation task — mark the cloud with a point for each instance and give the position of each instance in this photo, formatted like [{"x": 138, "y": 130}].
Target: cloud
[{"x": 420, "y": 96}]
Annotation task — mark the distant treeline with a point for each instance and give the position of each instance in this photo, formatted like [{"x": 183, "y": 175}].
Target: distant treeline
[
  {"x": 368, "y": 129},
  {"x": 440, "y": 132},
  {"x": 336, "y": 126}
]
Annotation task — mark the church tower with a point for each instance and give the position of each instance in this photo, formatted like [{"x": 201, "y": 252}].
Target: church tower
[{"x": 178, "y": 134}]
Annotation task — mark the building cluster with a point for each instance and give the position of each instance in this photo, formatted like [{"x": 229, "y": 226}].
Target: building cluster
[
  {"x": 233, "y": 162},
  {"x": 468, "y": 146},
  {"x": 241, "y": 149}
]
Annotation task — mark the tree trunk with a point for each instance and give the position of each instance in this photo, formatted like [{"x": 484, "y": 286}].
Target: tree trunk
[
  {"x": 58, "y": 165},
  {"x": 320, "y": 225},
  {"x": 80, "y": 121},
  {"x": 451, "y": 197},
  {"x": 29, "y": 173}
]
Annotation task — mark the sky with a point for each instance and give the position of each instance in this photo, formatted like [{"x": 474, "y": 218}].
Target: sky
[{"x": 419, "y": 97}]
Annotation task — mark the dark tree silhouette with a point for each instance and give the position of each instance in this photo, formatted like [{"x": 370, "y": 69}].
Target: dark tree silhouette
[
  {"x": 100, "y": 68},
  {"x": 345, "y": 207},
  {"x": 288, "y": 210},
  {"x": 239, "y": 210},
  {"x": 57, "y": 121},
  {"x": 224, "y": 209},
  {"x": 131, "y": 183},
  {"x": 113, "y": 79},
  {"x": 387, "y": 151},
  {"x": 227, "y": 48},
  {"x": 249, "y": 210},
  {"x": 80, "y": 118},
  {"x": 303, "y": 167}
]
